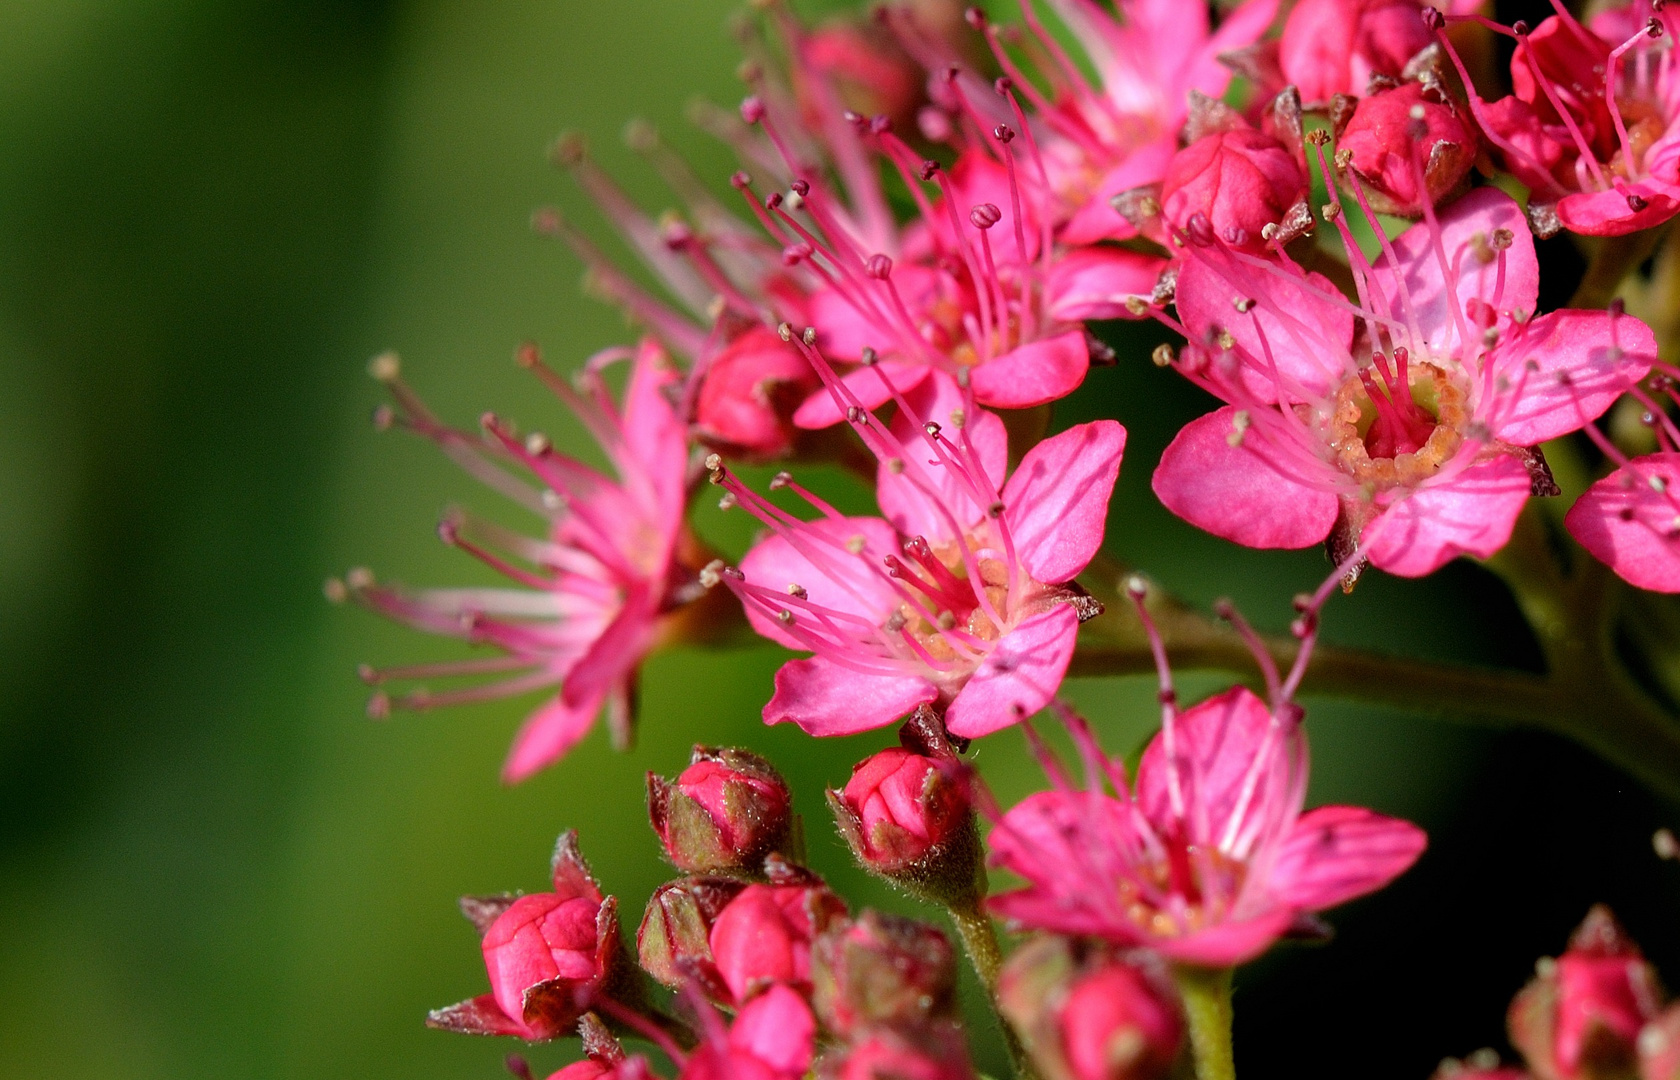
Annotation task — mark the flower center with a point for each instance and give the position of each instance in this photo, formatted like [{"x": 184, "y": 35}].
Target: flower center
[
  {"x": 1396, "y": 423},
  {"x": 1191, "y": 887}
]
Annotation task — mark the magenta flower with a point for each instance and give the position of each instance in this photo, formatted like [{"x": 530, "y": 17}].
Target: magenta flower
[
  {"x": 1403, "y": 427},
  {"x": 1593, "y": 126},
  {"x": 596, "y": 592},
  {"x": 960, "y": 596},
  {"x": 1630, "y": 521},
  {"x": 1331, "y": 47},
  {"x": 549, "y": 955},
  {"x": 1208, "y": 858},
  {"x": 773, "y": 1038}
]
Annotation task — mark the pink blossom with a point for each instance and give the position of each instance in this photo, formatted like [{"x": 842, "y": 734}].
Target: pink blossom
[
  {"x": 959, "y": 596},
  {"x": 747, "y": 395},
  {"x": 1630, "y": 521},
  {"x": 1116, "y": 1026},
  {"x": 1206, "y": 858},
  {"x": 1403, "y": 426},
  {"x": 594, "y": 594},
  {"x": 1239, "y": 180},
  {"x": 773, "y": 1038},
  {"x": 1331, "y": 47},
  {"x": 903, "y": 805},
  {"x": 1593, "y": 124},
  {"x": 763, "y": 936},
  {"x": 549, "y": 955}
]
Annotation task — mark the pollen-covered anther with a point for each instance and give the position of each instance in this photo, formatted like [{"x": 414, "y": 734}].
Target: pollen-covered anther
[
  {"x": 711, "y": 574},
  {"x": 781, "y": 480},
  {"x": 855, "y": 544},
  {"x": 386, "y": 367},
  {"x": 985, "y": 215},
  {"x": 785, "y": 617},
  {"x": 1240, "y": 421},
  {"x": 868, "y": 357},
  {"x": 1163, "y": 355},
  {"x": 1136, "y": 305},
  {"x": 714, "y": 464},
  {"x": 797, "y": 591},
  {"x": 785, "y": 331},
  {"x": 810, "y": 335},
  {"x": 728, "y": 501},
  {"x": 1243, "y": 305},
  {"x": 537, "y": 444},
  {"x": 1330, "y": 211},
  {"x": 1136, "y": 586},
  {"x": 995, "y": 510}
]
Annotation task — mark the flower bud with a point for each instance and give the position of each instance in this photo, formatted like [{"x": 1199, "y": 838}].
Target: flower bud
[
  {"x": 1387, "y": 128},
  {"x": 937, "y": 1051},
  {"x": 1242, "y": 179},
  {"x": 764, "y": 935},
  {"x": 674, "y": 942},
  {"x": 1331, "y": 47},
  {"x": 1095, "y": 1017},
  {"x": 749, "y": 393},
  {"x": 898, "y": 806},
  {"x": 725, "y": 813},
  {"x": 549, "y": 955},
  {"x": 882, "y": 969},
  {"x": 772, "y": 1038},
  {"x": 1581, "y": 1016}
]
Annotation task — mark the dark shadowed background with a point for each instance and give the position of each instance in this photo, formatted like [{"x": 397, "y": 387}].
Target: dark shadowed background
[{"x": 212, "y": 212}]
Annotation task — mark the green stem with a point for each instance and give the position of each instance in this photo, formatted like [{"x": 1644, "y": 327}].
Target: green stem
[
  {"x": 1585, "y": 696},
  {"x": 1207, "y": 1007},
  {"x": 1612, "y": 261},
  {"x": 980, "y": 942}
]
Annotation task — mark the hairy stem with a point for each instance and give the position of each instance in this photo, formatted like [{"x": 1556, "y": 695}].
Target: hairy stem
[
  {"x": 980, "y": 942},
  {"x": 1207, "y": 1007}
]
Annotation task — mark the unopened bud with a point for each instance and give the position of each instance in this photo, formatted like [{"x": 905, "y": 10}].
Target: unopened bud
[
  {"x": 674, "y": 942},
  {"x": 724, "y": 814},
  {"x": 882, "y": 969},
  {"x": 1389, "y": 130}
]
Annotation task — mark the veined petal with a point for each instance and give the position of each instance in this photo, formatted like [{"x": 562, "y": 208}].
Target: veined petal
[
  {"x": 1018, "y": 677},
  {"x": 547, "y": 735},
  {"x": 1471, "y": 514},
  {"x": 1227, "y": 944},
  {"x": 821, "y": 564},
  {"x": 820, "y": 410},
  {"x": 1096, "y": 282},
  {"x": 1336, "y": 853},
  {"x": 1033, "y": 374},
  {"x": 1056, "y": 503},
  {"x": 905, "y": 496},
  {"x": 1232, "y": 757},
  {"x": 1563, "y": 370},
  {"x": 824, "y": 698},
  {"x": 1632, "y": 527}
]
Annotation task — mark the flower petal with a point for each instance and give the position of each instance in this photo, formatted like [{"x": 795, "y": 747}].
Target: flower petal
[
  {"x": 777, "y": 1028},
  {"x": 1227, "y": 944},
  {"x": 547, "y": 735},
  {"x": 824, "y": 698},
  {"x": 903, "y": 495},
  {"x": 1611, "y": 213},
  {"x": 1232, "y": 758},
  {"x": 654, "y": 435},
  {"x": 1018, "y": 677},
  {"x": 1033, "y": 374},
  {"x": 1630, "y": 526},
  {"x": 820, "y": 410},
  {"x": 1096, "y": 282},
  {"x": 1471, "y": 514},
  {"x": 1336, "y": 853},
  {"x": 1234, "y": 493},
  {"x": 1056, "y": 502},
  {"x": 1582, "y": 361},
  {"x": 831, "y": 575},
  {"x": 1504, "y": 281}
]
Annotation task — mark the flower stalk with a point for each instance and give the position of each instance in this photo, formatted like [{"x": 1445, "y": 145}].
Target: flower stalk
[{"x": 1207, "y": 1008}]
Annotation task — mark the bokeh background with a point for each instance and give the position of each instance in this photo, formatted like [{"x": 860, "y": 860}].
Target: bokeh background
[{"x": 212, "y": 212}]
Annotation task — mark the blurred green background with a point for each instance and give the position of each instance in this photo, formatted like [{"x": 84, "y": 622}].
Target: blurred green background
[{"x": 212, "y": 212}]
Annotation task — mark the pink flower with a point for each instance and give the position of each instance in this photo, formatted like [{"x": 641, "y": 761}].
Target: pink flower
[
  {"x": 959, "y": 597},
  {"x": 1594, "y": 124},
  {"x": 726, "y": 812},
  {"x": 900, "y": 805},
  {"x": 772, "y": 1038},
  {"x": 748, "y": 393},
  {"x": 763, "y": 936},
  {"x": 1401, "y": 428},
  {"x": 594, "y": 592},
  {"x": 1240, "y": 181},
  {"x": 1380, "y": 139},
  {"x": 1207, "y": 859},
  {"x": 1630, "y": 521},
  {"x": 1580, "y": 1018},
  {"x": 1331, "y": 47},
  {"x": 549, "y": 955}
]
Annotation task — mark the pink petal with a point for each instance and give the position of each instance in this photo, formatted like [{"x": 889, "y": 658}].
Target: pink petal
[
  {"x": 1608, "y": 213},
  {"x": 1097, "y": 219},
  {"x": 1018, "y": 677},
  {"x": 1233, "y": 757},
  {"x": 903, "y": 496},
  {"x": 1234, "y": 493},
  {"x": 1466, "y": 226},
  {"x": 1471, "y": 514},
  {"x": 1599, "y": 355},
  {"x": 777, "y": 1028},
  {"x": 614, "y": 654},
  {"x": 1240, "y": 27},
  {"x": 1096, "y": 282},
  {"x": 1034, "y": 374},
  {"x": 1039, "y": 910},
  {"x": 547, "y": 735},
  {"x": 824, "y": 698},
  {"x": 1227, "y": 944},
  {"x": 831, "y": 575},
  {"x": 1336, "y": 853},
  {"x": 1056, "y": 503},
  {"x": 653, "y": 432},
  {"x": 1630, "y": 526},
  {"x": 1304, "y": 326},
  {"x": 820, "y": 410}
]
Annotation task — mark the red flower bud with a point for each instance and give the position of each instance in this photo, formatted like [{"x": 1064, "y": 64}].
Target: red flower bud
[
  {"x": 1092, "y": 1016},
  {"x": 1580, "y": 1017},
  {"x": 1331, "y": 47},
  {"x": 937, "y": 1051},
  {"x": 1392, "y": 125},
  {"x": 900, "y": 805},
  {"x": 764, "y": 935},
  {"x": 749, "y": 393},
  {"x": 549, "y": 955},
  {"x": 726, "y": 812},
  {"x": 674, "y": 942},
  {"x": 772, "y": 1038},
  {"x": 882, "y": 969},
  {"x": 1243, "y": 180}
]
